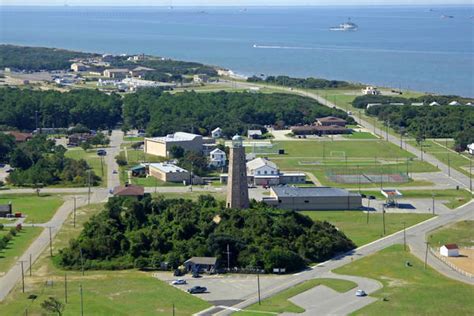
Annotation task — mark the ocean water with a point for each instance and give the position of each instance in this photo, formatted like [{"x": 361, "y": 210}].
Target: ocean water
[{"x": 403, "y": 47}]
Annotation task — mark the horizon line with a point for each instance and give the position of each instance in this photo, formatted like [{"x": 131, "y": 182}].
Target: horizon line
[{"x": 240, "y": 6}]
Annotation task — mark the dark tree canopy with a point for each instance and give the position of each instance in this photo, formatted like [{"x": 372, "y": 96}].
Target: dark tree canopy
[
  {"x": 143, "y": 233},
  {"x": 37, "y": 58},
  {"x": 164, "y": 113},
  {"x": 306, "y": 83},
  {"x": 91, "y": 108}
]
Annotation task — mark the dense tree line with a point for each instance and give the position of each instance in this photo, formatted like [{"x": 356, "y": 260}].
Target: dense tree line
[
  {"x": 164, "y": 113},
  {"x": 306, "y": 83},
  {"x": 143, "y": 233},
  {"x": 430, "y": 121},
  {"x": 37, "y": 58},
  {"x": 167, "y": 66},
  {"x": 91, "y": 108},
  {"x": 40, "y": 161}
]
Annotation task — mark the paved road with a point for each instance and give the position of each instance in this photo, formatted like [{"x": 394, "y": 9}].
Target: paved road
[{"x": 12, "y": 276}]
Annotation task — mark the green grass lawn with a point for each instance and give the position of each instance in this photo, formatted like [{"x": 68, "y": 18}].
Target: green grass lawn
[
  {"x": 92, "y": 159},
  {"x": 133, "y": 139},
  {"x": 454, "y": 198},
  {"x": 360, "y": 135},
  {"x": 461, "y": 233},
  {"x": 279, "y": 303},
  {"x": 38, "y": 209},
  {"x": 446, "y": 155},
  {"x": 354, "y": 223},
  {"x": 364, "y": 157},
  {"x": 128, "y": 292},
  {"x": 410, "y": 290},
  {"x": 17, "y": 246}
]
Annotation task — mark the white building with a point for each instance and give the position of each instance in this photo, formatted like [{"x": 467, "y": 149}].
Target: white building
[
  {"x": 449, "y": 250},
  {"x": 369, "y": 90},
  {"x": 216, "y": 133},
  {"x": 456, "y": 103},
  {"x": 261, "y": 167},
  {"x": 434, "y": 103},
  {"x": 254, "y": 133},
  {"x": 470, "y": 148},
  {"x": 217, "y": 158}
]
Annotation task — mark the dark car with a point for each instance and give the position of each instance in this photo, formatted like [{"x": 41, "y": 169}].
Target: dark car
[
  {"x": 101, "y": 152},
  {"x": 371, "y": 197},
  {"x": 197, "y": 289},
  {"x": 363, "y": 196},
  {"x": 178, "y": 272}
]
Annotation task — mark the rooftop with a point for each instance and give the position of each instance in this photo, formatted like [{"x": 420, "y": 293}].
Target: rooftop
[
  {"x": 202, "y": 260},
  {"x": 177, "y": 137},
  {"x": 254, "y": 132},
  {"x": 129, "y": 190},
  {"x": 331, "y": 119},
  {"x": 167, "y": 167},
  {"x": 451, "y": 246},
  {"x": 260, "y": 162},
  {"x": 290, "y": 191}
]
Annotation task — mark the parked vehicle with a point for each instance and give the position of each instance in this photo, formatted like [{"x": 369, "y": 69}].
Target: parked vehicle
[
  {"x": 101, "y": 152},
  {"x": 178, "y": 272},
  {"x": 114, "y": 172},
  {"x": 361, "y": 293},
  {"x": 197, "y": 289},
  {"x": 178, "y": 282}
]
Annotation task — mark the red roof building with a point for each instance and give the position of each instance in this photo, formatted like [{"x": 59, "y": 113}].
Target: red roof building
[
  {"x": 129, "y": 190},
  {"x": 20, "y": 137}
]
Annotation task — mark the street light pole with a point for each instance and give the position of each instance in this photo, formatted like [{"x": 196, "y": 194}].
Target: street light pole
[
  {"x": 82, "y": 301},
  {"x": 404, "y": 237},
  {"x": 426, "y": 252},
  {"x": 258, "y": 288},
  {"x": 22, "y": 278},
  {"x": 383, "y": 218}
]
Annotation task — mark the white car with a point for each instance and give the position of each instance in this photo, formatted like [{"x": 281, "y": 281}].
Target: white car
[
  {"x": 178, "y": 282},
  {"x": 361, "y": 293}
]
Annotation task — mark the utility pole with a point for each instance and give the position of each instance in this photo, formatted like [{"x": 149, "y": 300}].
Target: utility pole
[
  {"x": 65, "y": 288},
  {"x": 50, "y": 242},
  {"x": 368, "y": 209},
  {"x": 82, "y": 261},
  {"x": 173, "y": 310},
  {"x": 258, "y": 287},
  {"x": 383, "y": 218},
  {"x": 102, "y": 164},
  {"x": 82, "y": 301},
  {"x": 228, "y": 257},
  {"x": 449, "y": 165},
  {"x": 89, "y": 191},
  {"x": 404, "y": 237},
  {"x": 22, "y": 278},
  {"x": 30, "y": 264},
  {"x": 433, "y": 199},
  {"x": 426, "y": 253},
  {"x": 74, "y": 214}
]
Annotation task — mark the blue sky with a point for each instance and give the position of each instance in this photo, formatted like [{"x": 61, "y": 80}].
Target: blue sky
[{"x": 232, "y": 2}]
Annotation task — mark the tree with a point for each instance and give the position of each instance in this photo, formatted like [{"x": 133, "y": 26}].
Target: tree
[
  {"x": 177, "y": 152},
  {"x": 7, "y": 143},
  {"x": 86, "y": 146},
  {"x": 53, "y": 305},
  {"x": 20, "y": 159}
]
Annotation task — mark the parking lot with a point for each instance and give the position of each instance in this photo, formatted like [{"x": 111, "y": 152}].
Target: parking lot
[{"x": 226, "y": 289}]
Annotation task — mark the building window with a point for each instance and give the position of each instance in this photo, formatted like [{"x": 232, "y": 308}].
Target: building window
[
  {"x": 306, "y": 201},
  {"x": 279, "y": 201},
  {"x": 265, "y": 172},
  {"x": 272, "y": 172},
  {"x": 258, "y": 172}
]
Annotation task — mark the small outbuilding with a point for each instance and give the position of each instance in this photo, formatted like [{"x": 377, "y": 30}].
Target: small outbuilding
[
  {"x": 216, "y": 133},
  {"x": 254, "y": 134},
  {"x": 129, "y": 190},
  {"x": 449, "y": 250},
  {"x": 201, "y": 264},
  {"x": 6, "y": 210}
]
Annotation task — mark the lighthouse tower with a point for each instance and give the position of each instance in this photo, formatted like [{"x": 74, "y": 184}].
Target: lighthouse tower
[{"x": 237, "y": 188}]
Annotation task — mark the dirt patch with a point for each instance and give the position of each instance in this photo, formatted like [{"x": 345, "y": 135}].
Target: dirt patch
[
  {"x": 394, "y": 282},
  {"x": 465, "y": 261}
]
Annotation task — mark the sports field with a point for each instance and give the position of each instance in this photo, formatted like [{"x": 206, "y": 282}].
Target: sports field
[
  {"x": 38, "y": 209},
  {"x": 94, "y": 161},
  {"x": 327, "y": 159}
]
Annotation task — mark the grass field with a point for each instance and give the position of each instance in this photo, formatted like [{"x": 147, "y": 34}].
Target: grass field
[
  {"x": 133, "y": 139},
  {"x": 38, "y": 209},
  {"x": 360, "y": 135},
  {"x": 92, "y": 159},
  {"x": 454, "y": 198},
  {"x": 460, "y": 233},
  {"x": 17, "y": 246},
  {"x": 279, "y": 303},
  {"x": 127, "y": 292},
  {"x": 345, "y": 157},
  {"x": 354, "y": 223},
  {"x": 410, "y": 290},
  {"x": 446, "y": 155}
]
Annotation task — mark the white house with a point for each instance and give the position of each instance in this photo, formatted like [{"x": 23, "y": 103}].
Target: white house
[
  {"x": 449, "y": 250},
  {"x": 370, "y": 91},
  {"x": 261, "y": 166},
  {"x": 434, "y": 103},
  {"x": 454, "y": 103},
  {"x": 216, "y": 133},
  {"x": 217, "y": 158},
  {"x": 470, "y": 148}
]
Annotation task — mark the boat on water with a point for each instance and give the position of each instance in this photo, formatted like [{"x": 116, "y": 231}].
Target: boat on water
[
  {"x": 444, "y": 16},
  {"x": 347, "y": 26}
]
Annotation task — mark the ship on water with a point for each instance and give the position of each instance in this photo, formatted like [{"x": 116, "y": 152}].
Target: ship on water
[{"x": 347, "y": 26}]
